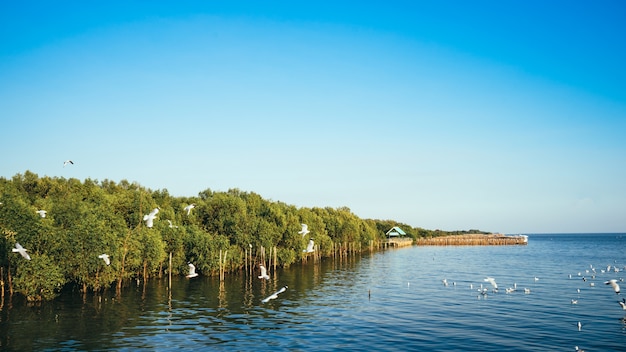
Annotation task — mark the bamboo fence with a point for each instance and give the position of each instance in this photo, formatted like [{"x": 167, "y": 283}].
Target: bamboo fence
[{"x": 473, "y": 240}]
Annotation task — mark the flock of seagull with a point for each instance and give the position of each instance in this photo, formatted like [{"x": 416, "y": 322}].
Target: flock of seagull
[
  {"x": 149, "y": 220},
  {"x": 588, "y": 277},
  {"x": 483, "y": 290},
  {"x": 614, "y": 283},
  {"x": 265, "y": 276}
]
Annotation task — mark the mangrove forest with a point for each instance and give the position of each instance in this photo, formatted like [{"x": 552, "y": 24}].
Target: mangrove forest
[{"x": 66, "y": 226}]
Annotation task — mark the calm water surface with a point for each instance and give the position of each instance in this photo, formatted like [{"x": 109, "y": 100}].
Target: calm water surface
[{"x": 393, "y": 300}]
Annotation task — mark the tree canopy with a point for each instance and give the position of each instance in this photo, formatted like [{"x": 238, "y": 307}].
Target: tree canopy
[{"x": 89, "y": 218}]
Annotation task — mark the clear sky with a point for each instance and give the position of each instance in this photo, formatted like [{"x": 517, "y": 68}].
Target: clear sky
[{"x": 504, "y": 116}]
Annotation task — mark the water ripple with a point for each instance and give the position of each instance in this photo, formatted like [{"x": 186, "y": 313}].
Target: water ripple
[{"x": 384, "y": 301}]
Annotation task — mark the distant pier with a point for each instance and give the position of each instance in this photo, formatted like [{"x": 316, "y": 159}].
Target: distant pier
[
  {"x": 396, "y": 242},
  {"x": 473, "y": 240}
]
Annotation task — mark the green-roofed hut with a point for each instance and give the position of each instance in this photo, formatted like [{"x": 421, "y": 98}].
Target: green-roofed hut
[
  {"x": 396, "y": 237},
  {"x": 395, "y": 232}
]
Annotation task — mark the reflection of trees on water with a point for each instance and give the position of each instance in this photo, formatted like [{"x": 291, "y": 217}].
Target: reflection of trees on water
[
  {"x": 106, "y": 319},
  {"x": 248, "y": 293},
  {"x": 222, "y": 301}
]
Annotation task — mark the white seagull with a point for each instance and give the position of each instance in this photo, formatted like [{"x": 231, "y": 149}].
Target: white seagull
[
  {"x": 492, "y": 281},
  {"x": 613, "y": 284},
  {"x": 21, "y": 250},
  {"x": 41, "y": 213},
  {"x": 172, "y": 226},
  {"x": 105, "y": 257},
  {"x": 189, "y": 207},
  {"x": 275, "y": 294},
  {"x": 309, "y": 247},
  {"x": 150, "y": 217},
  {"x": 263, "y": 272},
  {"x": 304, "y": 231},
  {"x": 67, "y": 162},
  {"x": 192, "y": 271},
  {"x": 623, "y": 303}
]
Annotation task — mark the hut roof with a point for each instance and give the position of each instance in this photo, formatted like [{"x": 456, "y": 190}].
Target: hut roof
[{"x": 396, "y": 231}]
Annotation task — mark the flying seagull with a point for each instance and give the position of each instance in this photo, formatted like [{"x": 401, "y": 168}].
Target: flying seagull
[
  {"x": 613, "y": 284},
  {"x": 150, "y": 217},
  {"x": 309, "y": 247},
  {"x": 41, "y": 213},
  {"x": 106, "y": 259},
  {"x": 263, "y": 273},
  {"x": 21, "y": 250},
  {"x": 172, "y": 226},
  {"x": 304, "y": 231},
  {"x": 67, "y": 162},
  {"x": 192, "y": 271},
  {"x": 189, "y": 207},
  {"x": 623, "y": 303},
  {"x": 274, "y": 295},
  {"x": 492, "y": 281}
]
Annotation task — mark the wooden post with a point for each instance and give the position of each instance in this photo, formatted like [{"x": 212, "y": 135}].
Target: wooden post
[
  {"x": 2, "y": 285},
  {"x": 169, "y": 273},
  {"x": 275, "y": 258},
  {"x": 250, "y": 267},
  {"x": 220, "y": 264},
  {"x": 223, "y": 266}
]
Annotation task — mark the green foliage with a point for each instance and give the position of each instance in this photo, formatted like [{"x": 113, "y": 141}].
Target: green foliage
[
  {"x": 89, "y": 218},
  {"x": 39, "y": 278}
]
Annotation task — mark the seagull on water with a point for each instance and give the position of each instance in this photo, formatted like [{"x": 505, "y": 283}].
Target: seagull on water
[
  {"x": 274, "y": 295},
  {"x": 41, "y": 213},
  {"x": 105, "y": 257},
  {"x": 263, "y": 272},
  {"x": 305, "y": 230},
  {"x": 613, "y": 284},
  {"x": 309, "y": 247},
  {"x": 150, "y": 217},
  {"x": 67, "y": 162},
  {"x": 580, "y": 326},
  {"x": 21, "y": 250},
  {"x": 188, "y": 208},
  {"x": 192, "y": 271}
]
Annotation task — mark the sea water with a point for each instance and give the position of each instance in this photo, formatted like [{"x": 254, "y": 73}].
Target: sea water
[{"x": 394, "y": 300}]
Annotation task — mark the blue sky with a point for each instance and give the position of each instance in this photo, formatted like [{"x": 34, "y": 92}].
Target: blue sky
[{"x": 500, "y": 116}]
